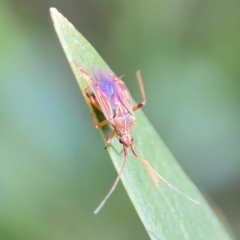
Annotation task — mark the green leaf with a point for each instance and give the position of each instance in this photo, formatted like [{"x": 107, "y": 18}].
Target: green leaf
[{"x": 164, "y": 213}]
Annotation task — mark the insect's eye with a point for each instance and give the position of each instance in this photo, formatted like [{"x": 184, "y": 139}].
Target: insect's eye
[
  {"x": 132, "y": 138},
  {"x": 120, "y": 140}
]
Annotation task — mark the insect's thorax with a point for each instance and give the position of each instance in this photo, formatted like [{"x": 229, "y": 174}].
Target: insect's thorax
[{"x": 122, "y": 121}]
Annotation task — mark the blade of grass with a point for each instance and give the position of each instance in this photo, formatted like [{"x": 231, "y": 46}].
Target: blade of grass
[{"x": 164, "y": 213}]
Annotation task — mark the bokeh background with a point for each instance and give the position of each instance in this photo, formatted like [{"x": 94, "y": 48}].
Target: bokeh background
[{"x": 53, "y": 167}]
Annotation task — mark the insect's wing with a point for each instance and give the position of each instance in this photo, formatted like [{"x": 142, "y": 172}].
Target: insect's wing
[
  {"x": 124, "y": 95},
  {"x": 98, "y": 89},
  {"x": 114, "y": 89},
  {"x": 104, "y": 89},
  {"x": 102, "y": 99},
  {"x": 108, "y": 89}
]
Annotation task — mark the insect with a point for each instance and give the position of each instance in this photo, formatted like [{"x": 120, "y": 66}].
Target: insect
[{"x": 112, "y": 98}]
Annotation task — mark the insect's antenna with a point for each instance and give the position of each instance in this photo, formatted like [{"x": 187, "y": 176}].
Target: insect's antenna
[
  {"x": 114, "y": 184},
  {"x": 163, "y": 179},
  {"x": 81, "y": 69}
]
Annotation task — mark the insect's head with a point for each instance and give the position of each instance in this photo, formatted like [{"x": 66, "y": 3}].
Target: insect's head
[{"x": 126, "y": 140}]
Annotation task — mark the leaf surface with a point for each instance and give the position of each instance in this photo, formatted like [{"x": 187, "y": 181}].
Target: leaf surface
[{"x": 164, "y": 213}]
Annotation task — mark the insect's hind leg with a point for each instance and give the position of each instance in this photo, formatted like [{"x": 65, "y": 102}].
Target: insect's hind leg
[
  {"x": 141, "y": 104},
  {"x": 92, "y": 100},
  {"x": 110, "y": 138}
]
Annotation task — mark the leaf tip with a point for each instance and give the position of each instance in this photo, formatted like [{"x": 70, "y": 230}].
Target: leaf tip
[
  {"x": 54, "y": 13},
  {"x": 53, "y": 10}
]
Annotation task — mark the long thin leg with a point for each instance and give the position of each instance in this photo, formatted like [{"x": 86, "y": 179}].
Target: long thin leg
[
  {"x": 92, "y": 100},
  {"x": 98, "y": 125},
  {"x": 114, "y": 184},
  {"x": 110, "y": 138},
  {"x": 139, "y": 78}
]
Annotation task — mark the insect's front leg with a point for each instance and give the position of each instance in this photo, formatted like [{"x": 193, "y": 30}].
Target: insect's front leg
[
  {"x": 110, "y": 138},
  {"x": 139, "y": 78}
]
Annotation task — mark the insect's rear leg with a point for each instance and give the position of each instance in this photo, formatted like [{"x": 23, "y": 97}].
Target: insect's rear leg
[
  {"x": 92, "y": 100},
  {"x": 139, "y": 78}
]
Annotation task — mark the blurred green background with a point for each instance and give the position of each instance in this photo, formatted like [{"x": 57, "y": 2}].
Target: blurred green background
[{"x": 54, "y": 170}]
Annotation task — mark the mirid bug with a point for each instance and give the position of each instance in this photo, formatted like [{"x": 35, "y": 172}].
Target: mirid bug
[{"x": 112, "y": 98}]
